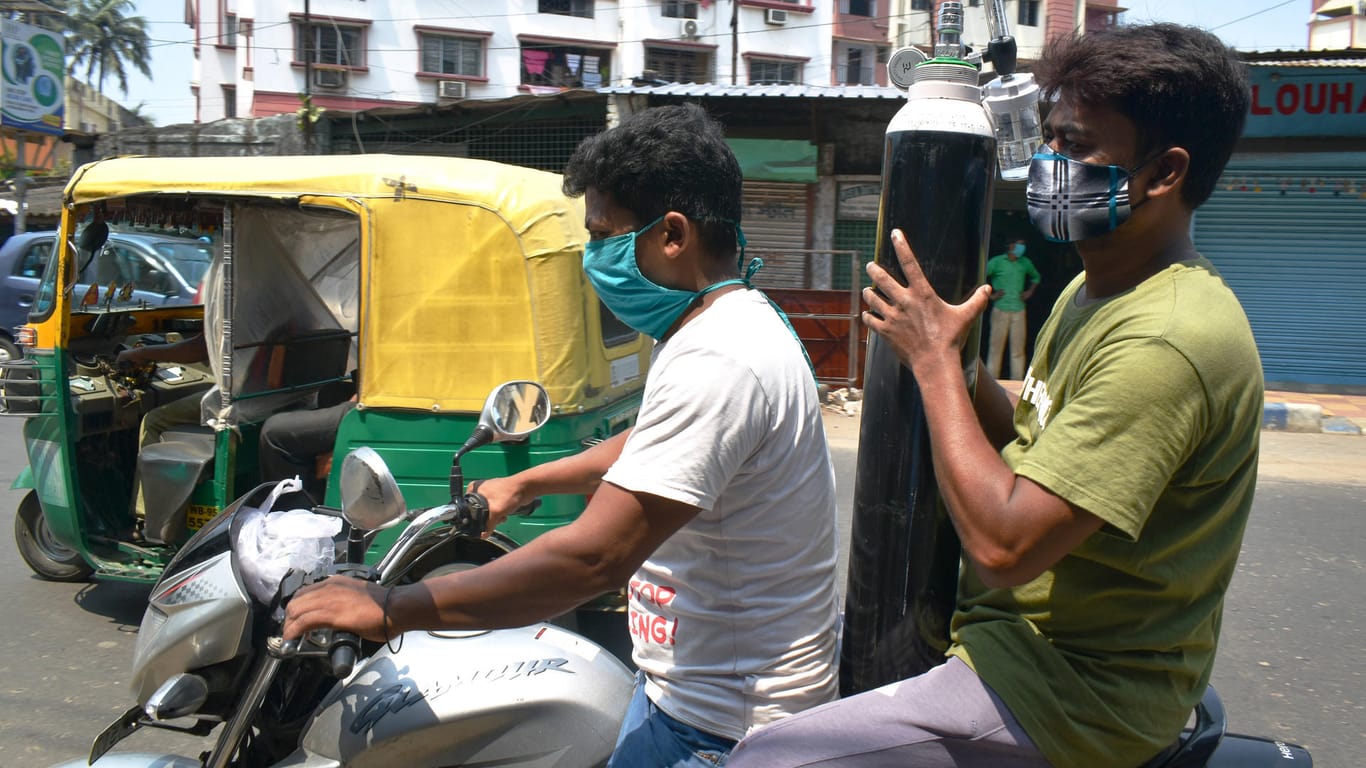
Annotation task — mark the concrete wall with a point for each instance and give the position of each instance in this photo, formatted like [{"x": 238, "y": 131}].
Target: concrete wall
[{"x": 241, "y": 137}]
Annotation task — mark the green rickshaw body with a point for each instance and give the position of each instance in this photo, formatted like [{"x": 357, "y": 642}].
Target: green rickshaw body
[{"x": 418, "y": 283}]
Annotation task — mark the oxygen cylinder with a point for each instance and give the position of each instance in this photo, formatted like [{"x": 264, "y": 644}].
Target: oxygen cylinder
[{"x": 938, "y": 174}]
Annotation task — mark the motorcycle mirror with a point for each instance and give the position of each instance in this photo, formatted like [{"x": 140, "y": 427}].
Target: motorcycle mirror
[
  {"x": 370, "y": 497},
  {"x": 515, "y": 409}
]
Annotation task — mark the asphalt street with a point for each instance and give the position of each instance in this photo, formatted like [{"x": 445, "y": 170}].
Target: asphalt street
[{"x": 1289, "y": 666}]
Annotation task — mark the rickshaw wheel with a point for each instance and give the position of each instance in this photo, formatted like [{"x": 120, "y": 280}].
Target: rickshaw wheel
[{"x": 49, "y": 558}]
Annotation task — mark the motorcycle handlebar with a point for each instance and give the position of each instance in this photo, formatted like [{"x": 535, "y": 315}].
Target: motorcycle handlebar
[{"x": 341, "y": 649}]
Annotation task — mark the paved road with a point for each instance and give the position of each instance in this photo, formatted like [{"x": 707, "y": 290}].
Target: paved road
[{"x": 1289, "y": 668}]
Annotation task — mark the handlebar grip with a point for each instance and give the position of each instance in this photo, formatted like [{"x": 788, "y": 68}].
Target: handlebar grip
[
  {"x": 479, "y": 509},
  {"x": 343, "y": 655}
]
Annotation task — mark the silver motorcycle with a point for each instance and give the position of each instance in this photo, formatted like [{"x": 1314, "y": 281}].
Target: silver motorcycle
[{"x": 209, "y": 655}]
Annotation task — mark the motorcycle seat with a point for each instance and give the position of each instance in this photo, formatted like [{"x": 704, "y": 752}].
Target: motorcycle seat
[{"x": 1195, "y": 746}]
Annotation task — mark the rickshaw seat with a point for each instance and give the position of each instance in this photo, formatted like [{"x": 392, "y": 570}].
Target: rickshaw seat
[
  {"x": 303, "y": 362},
  {"x": 169, "y": 472}
]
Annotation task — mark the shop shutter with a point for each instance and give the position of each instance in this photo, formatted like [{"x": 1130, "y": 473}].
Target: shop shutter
[
  {"x": 1288, "y": 232},
  {"x": 775, "y": 216}
]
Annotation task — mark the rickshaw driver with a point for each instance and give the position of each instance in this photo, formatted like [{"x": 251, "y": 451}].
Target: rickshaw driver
[
  {"x": 179, "y": 412},
  {"x": 717, "y": 509}
]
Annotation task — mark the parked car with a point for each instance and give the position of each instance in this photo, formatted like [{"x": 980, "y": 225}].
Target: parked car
[{"x": 162, "y": 269}]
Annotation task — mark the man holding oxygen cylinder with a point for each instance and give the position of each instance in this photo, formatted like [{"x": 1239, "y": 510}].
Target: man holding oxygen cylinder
[{"x": 1101, "y": 515}]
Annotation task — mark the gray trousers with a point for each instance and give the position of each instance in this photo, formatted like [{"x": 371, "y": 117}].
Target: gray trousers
[{"x": 944, "y": 718}]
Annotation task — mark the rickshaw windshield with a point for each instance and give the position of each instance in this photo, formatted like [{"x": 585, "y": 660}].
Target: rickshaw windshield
[{"x": 281, "y": 307}]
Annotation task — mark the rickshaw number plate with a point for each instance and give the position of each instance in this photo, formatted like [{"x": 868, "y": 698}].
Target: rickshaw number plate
[{"x": 199, "y": 515}]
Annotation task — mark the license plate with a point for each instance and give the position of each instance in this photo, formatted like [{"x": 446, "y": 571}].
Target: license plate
[
  {"x": 128, "y": 723},
  {"x": 199, "y": 515}
]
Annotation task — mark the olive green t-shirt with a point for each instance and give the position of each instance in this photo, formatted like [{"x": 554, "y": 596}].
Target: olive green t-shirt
[{"x": 1143, "y": 409}]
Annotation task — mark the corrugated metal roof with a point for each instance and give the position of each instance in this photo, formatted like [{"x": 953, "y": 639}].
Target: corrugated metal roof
[
  {"x": 714, "y": 90},
  {"x": 1311, "y": 63},
  {"x": 1351, "y": 57}
]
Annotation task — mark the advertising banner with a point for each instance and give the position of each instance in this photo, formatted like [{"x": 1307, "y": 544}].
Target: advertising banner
[
  {"x": 1307, "y": 101},
  {"x": 33, "y": 91}
]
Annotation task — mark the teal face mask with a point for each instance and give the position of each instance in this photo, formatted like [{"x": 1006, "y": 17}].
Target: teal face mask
[{"x": 644, "y": 305}]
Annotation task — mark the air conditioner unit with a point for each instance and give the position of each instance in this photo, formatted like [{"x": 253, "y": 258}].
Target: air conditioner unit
[
  {"x": 775, "y": 16},
  {"x": 450, "y": 89},
  {"x": 687, "y": 29},
  {"x": 330, "y": 78}
]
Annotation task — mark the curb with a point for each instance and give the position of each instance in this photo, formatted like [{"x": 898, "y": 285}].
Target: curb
[
  {"x": 1276, "y": 417},
  {"x": 1304, "y": 417}
]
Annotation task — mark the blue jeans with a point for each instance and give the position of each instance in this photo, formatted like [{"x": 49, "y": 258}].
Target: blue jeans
[{"x": 651, "y": 739}]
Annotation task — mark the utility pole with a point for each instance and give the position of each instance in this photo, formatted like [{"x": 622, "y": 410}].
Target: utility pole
[
  {"x": 734, "y": 38},
  {"x": 306, "y": 122}
]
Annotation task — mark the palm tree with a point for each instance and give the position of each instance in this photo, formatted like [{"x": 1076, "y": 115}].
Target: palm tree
[{"x": 104, "y": 39}]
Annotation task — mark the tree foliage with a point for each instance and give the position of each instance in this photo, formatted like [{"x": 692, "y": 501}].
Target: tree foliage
[{"x": 104, "y": 39}]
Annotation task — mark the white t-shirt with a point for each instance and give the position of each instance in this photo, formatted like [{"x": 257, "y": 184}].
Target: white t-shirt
[{"x": 734, "y": 619}]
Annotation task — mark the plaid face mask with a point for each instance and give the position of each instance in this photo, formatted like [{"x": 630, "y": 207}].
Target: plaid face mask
[{"x": 1069, "y": 201}]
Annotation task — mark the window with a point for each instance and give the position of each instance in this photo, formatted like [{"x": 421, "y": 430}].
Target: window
[
  {"x": 47, "y": 287},
  {"x": 614, "y": 331},
  {"x": 34, "y": 260},
  {"x": 680, "y": 9},
  {"x": 582, "y": 8},
  {"x": 921, "y": 5},
  {"x": 565, "y": 66},
  {"x": 1029, "y": 13},
  {"x": 774, "y": 72},
  {"x": 129, "y": 266},
  {"x": 679, "y": 66},
  {"x": 229, "y": 101},
  {"x": 853, "y": 72},
  {"x": 229, "y": 31},
  {"x": 330, "y": 43},
  {"x": 452, "y": 55},
  {"x": 860, "y": 8}
]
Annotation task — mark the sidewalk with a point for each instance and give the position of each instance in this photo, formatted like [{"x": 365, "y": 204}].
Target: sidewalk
[{"x": 1300, "y": 411}]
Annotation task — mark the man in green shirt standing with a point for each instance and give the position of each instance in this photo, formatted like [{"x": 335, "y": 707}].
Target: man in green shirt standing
[{"x": 1007, "y": 273}]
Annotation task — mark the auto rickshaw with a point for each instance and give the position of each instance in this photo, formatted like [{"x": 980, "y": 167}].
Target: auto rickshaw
[{"x": 418, "y": 282}]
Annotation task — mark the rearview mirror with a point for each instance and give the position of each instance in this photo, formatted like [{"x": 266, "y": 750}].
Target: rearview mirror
[
  {"x": 370, "y": 497},
  {"x": 515, "y": 409}
]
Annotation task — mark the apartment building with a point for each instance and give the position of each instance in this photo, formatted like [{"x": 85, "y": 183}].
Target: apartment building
[
  {"x": 254, "y": 57},
  {"x": 1032, "y": 22},
  {"x": 1337, "y": 25}
]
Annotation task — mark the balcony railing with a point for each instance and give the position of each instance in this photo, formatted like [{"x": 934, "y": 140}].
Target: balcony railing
[{"x": 847, "y": 75}]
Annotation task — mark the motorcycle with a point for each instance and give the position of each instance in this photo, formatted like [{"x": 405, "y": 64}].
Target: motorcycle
[{"x": 209, "y": 647}]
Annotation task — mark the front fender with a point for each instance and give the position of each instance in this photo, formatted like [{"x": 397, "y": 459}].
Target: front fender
[{"x": 24, "y": 481}]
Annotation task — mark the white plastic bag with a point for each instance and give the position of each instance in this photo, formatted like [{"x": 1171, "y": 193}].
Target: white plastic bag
[{"x": 271, "y": 544}]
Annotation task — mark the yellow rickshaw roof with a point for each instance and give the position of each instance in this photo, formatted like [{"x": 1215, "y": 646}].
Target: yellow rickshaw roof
[{"x": 521, "y": 195}]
